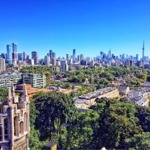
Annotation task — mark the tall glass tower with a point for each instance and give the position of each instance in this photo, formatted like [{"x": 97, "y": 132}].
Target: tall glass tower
[
  {"x": 14, "y": 47},
  {"x": 9, "y": 54},
  {"x": 74, "y": 55},
  {"x": 14, "y": 53}
]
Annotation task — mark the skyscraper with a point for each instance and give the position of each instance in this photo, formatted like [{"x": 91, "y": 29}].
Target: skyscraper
[
  {"x": 14, "y": 47},
  {"x": 63, "y": 66},
  {"x": 143, "y": 48},
  {"x": 24, "y": 56},
  {"x": 50, "y": 53},
  {"x": 35, "y": 57},
  {"x": 9, "y": 54},
  {"x": 14, "y": 53},
  {"x": 47, "y": 60},
  {"x": 74, "y": 55},
  {"x": 20, "y": 56},
  {"x": 2, "y": 65}
]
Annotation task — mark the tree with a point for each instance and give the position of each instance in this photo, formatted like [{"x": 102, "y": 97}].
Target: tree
[
  {"x": 116, "y": 123},
  {"x": 80, "y": 133},
  {"x": 143, "y": 114},
  {"x": 3, "y": 94},
  {"x": 35, "y": 143},
  {"x": 139, "y": 141},
  {"x": 55, "y": 109}
]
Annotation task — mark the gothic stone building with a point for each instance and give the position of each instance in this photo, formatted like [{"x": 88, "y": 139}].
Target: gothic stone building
[{"x": 14, "y": 121}]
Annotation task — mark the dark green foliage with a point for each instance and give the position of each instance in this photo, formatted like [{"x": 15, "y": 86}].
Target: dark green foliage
[
  {"x": 139, "y": 142},
  {"x": 143, "y": 115},
  {"x": 53, "y": 111},
  {"x": 36, "y": 69},
  {"x": 117, "y": 122},
  {"x": 109, "y": 123},
  {"x": 35, "y": 143},
  {"x": 3, "y": 94},
  {"x": 80, "y": 133}
]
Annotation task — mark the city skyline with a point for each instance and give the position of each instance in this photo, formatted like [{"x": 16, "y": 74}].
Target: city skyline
[
  {"x": 88, "y": 26},
  {"x": 10, "y": 47}
]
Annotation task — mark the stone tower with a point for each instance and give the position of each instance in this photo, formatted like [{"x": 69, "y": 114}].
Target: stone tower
[{"x": 14, "y": 121}]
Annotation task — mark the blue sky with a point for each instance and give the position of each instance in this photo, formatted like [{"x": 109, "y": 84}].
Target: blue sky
[{"x": 90, "y": 26}]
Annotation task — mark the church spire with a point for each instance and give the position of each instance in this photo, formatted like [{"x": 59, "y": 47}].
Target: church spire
[
  {"x": 12, "y": 89},
  {"x": 10, "y": 97}
]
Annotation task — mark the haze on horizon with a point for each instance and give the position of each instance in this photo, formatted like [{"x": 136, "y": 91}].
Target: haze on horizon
[{"x": 90, "y": 26}]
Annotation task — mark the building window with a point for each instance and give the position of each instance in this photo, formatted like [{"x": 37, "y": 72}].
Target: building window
[
  {"x": 16, "y": 126},
  {"x": 25, "y": 121},
  {"x": 6, "y": 128},
  {"x": 21, "y": 113},
  {"x": 21, "y": 127},
  {"x": 0, "y": 133}
]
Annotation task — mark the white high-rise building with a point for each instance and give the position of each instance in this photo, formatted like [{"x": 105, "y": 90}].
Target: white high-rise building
[{"x": 2, "y": 65}]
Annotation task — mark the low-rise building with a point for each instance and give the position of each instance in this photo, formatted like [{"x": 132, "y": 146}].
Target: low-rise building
[
  {"x": 139, "y": 97},
  {"x": 6, "y": 80},
  {"x": 86, "y": 100},
  {"x": 36, "y": 80}
]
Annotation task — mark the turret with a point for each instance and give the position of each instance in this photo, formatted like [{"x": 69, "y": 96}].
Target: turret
[
  {"x": 12, "y": 89},
  {"x": 9, "y": 99},
  {"x": 25, "y": 93}
]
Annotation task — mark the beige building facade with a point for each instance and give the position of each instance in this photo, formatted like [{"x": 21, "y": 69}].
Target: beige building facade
[{"x": 14, "y": 121}]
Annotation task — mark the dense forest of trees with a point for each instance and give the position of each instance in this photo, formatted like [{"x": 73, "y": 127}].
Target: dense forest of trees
[
  {"x": 109, "y": 123},
  {"x": 100, "y": 77},
  {"x": 103, "y": 76}
]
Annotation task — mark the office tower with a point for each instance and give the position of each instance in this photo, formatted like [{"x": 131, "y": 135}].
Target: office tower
[
  {"x": 9, "y": 54},
  {"x": 15, "y": 121},
  {"x": 14, "y": 47},
  {"x": 53, "y": 61},
  {"x": 74, "y": 55},
  {"x": 34, "y": 56},
  {"x": 123, "y": 56},
  {"x": 63, "y": 66},
  {"x": 137, "y": 57},
  {"x": 78, "y": 58},
  {"x": 31, "y": 62},
  {"x": 24, "y": 56},
  {"x": 50, "y": 53},
  {"x": 20, "y": 56},
  {"x": 109, "y": 54},
  {"x": 2, "y": 65},
  {"x": 81, "y": 57},
  {"x": 143, "y": 48},
  {"x": 14, "y": 53},
  {"x": 47, "y": 60},
  {"x": 67, "y": 57},
  {"x": 101, "y": 55},
  {"x": 53, "y": 55}
]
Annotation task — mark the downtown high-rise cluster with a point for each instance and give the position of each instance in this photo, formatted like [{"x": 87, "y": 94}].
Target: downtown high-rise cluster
[{"x": 12, "y": 57}]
